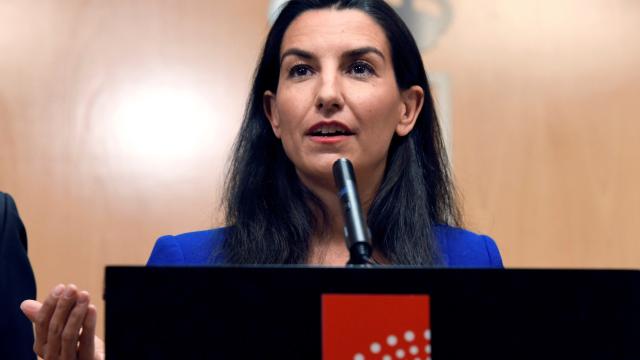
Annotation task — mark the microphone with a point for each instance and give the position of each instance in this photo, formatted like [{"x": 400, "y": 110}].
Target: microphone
[{"x": 356, "y": 232}]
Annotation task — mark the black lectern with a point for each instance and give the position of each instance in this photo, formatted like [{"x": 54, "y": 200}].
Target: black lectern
[{"x": 309, "y": 312}]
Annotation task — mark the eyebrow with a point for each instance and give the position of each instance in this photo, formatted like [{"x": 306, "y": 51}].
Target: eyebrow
[
  {"x": 296, "y": 52},
  {"x": 365, "y": 50},
  {"x": 350, "y": 54}
]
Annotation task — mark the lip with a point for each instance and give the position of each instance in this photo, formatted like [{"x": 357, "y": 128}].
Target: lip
[
  {"x": 337, "y": 124},
  {"x": 329, "y": 139}
]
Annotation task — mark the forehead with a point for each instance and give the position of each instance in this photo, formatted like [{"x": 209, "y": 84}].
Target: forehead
[{"x": 334, "y": 30}]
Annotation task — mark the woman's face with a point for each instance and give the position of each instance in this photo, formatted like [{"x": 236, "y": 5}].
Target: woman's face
[{"x": 337, "y": 95}]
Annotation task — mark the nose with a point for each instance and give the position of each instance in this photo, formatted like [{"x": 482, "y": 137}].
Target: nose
[{"x": 329, "y": 98}]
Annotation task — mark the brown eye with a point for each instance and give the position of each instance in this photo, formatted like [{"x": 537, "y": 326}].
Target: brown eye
[
  {"x": 300, "y": 71},
  {"x": 361, "y": 69}
]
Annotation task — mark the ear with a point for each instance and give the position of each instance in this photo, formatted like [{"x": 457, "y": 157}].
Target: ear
[
  {"x": 412, "y": 101},
  {"x": 269, "y": 107}
]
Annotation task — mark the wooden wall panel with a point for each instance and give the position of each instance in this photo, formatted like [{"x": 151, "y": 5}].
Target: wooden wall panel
[
  {"x": 546, "y": 131},
  {"x": 116, "y": 119},
  {"x": 115, "y": 123}
]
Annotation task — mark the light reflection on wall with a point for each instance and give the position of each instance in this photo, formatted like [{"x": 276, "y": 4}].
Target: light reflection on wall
[{"x": 155, "y": 124}]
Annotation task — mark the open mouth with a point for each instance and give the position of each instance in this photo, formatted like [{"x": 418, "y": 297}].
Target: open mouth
[
  {"x": 328, "y": 133},
  {"x": 331, "y": 129}
]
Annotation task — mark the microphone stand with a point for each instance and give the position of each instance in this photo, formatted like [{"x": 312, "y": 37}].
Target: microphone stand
[{"x": 356, "y": 233}]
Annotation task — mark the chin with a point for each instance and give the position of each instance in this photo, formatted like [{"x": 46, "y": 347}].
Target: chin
[{"x": 319, "y": 169}]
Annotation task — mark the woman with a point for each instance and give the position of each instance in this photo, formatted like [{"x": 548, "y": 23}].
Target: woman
[{"x": 337, "y": 78}]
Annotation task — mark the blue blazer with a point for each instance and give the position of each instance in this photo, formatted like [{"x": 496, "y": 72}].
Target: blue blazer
[{"x": 460, "y": 249}]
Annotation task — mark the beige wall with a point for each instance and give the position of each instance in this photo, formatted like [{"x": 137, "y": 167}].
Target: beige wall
[
  {"x": 546, "y": 127},
  {"x": 116, "y": 118}
]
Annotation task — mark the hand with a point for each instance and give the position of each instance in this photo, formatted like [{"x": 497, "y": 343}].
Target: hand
[{"x": 65, "y": 325}]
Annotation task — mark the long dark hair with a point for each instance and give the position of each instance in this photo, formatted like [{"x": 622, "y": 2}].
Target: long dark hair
[{"x": 270, "y": 211}]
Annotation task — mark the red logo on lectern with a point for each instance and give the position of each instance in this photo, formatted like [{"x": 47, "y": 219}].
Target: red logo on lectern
[{"x": 364, "y": 327}]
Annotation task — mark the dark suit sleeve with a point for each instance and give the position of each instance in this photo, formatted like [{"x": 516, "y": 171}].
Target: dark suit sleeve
[{"x": 17, "y": 283}]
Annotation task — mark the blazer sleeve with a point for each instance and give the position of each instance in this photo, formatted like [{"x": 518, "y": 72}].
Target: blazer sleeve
[
  {"x": 464, "y": 249},
  {"x": 198, "y": 248},
  {"x": 495, "y": 260},
  {"x": 166, "y": 251}
]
